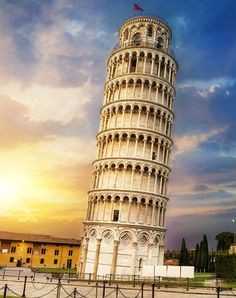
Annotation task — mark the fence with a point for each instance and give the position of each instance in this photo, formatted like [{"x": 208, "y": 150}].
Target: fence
[{"x": 104, "y": 286}]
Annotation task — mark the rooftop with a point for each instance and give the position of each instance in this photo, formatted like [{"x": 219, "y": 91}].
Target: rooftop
[{"x": 37, "y": 238}]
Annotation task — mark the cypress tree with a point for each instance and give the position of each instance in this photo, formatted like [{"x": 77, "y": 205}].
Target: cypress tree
[
  {"x": 196, "y": 257},
  {"x": 184, "y": 256},
  {"x": 199, "y": 257},
  {"x": 205, "y": 255}
]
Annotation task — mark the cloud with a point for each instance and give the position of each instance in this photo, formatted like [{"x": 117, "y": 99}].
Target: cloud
[
  {"x": 185, "y": 143},
  {"x": 17, "y": 127},
  {"x": 201, "y": 188}
]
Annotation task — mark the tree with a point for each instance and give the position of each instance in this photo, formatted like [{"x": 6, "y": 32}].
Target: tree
[
  {"x": 184, "y": 255},
  {"x": 224, "y": 240},
  {"x": 196, "y": 257},
  {"x": 211, "y": 262},
  {"x": 199, "y": 258},
  {"x": 205, "y": 254}
]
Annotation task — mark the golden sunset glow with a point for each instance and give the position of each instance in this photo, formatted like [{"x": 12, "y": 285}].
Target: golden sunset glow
[{"x": 53, "y": 66}]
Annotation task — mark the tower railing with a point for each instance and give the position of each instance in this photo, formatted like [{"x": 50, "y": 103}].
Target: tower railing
[{"x": 131, "y": 44}]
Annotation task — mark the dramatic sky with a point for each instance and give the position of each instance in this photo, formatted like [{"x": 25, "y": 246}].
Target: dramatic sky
[{"x": 52, "y": 71}]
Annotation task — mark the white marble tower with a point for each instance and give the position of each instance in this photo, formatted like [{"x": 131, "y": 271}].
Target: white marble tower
[{"x": 125, "y": 224}]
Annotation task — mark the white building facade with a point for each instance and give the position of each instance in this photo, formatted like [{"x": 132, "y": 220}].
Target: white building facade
[{"x": 125, "y": 224}]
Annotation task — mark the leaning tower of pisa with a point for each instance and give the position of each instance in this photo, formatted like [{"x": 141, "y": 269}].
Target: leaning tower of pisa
[{"x": 125, "y": 224}]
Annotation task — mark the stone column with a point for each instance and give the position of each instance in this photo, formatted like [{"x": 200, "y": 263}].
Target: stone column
[
  {"x": 97, "y": 253},
  {"x": 112, "y": 206},
  {"x": 144, "y": 64},
  {"x": 165, "y": 70},
  {"x": 150, "y": 249},
  {"x": 157, "y": 93},
  {"x": 163, "y": 95},
  {"x": 139, "y": 115},
  {"x": 137, "y": 218},
  {"x": 131, "y": 115},
  {"x": 141, "y": 94},
  {"x": 159, "y": 68},
  {"x": 85, "y": 253},
  {"x": 130, "y": 203},
  {"x": 153, "y": 213},
  {"x": 133, "y": 258},
  {"x": 127, "y": 145},
  {"x": 154, "y": 120},
  {"x": 114, "y": 258},
  {"x": 152, "y": 66}
]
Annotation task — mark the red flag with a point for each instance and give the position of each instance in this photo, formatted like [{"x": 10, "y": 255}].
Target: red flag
[{"x": 137, "y": 7}]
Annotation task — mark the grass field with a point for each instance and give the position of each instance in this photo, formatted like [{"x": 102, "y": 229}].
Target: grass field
[{"x": 53, "y": 270}]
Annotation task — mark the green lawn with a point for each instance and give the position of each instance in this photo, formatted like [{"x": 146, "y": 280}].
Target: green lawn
[{"x": 53, "y": 270}]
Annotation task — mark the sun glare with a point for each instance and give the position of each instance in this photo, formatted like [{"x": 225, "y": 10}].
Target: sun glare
[{"x": 10, "y": 189}]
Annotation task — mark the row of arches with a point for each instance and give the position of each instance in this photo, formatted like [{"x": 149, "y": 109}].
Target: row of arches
[
  {"x": 138, "y": 116},
  {"x": 125, "y": 236},
  {"x": 117, "y": 250},
  {"x": 140, "y": 88},
  {"x": 130, "y": 176},
  {"x": 134, "y": 145},
  {"x": 142, "y": 62},
  {"x": 125, "y": 209}
]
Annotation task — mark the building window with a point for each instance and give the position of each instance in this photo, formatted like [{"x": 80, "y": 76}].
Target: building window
[
  {"x": 116, "y": 215},
  {"x": 70, "y": 252},
  {"x": 153, "y": 155},
  {"x": 56, "y": 252},
  {"x": 159, "y": 42},
  {"x": 43, "y": 251},
  {"x": 133, "y": 64},
  {"x": 69, "y": 264},
  {"x": 55, "y": 261},
  {"x": 137, "y": 40},
  {"x": 29, "y": 250},
  {"x": 149, "y": 31},
  {"x": 126, "y": 34},
  {"x": 13, "y": 249},
  {"x": 140, "y": 264},
  {"x": 41, "y": 261},
  {"x": 27, "y": 260},
  {"x": 11, "y": 260}
]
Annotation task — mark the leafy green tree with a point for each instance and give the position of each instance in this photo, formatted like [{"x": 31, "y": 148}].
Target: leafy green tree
[{"x": 224, "y": 240}]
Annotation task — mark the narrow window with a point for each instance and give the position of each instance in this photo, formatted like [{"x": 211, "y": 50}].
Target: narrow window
[
  {"x": 137, "y": 40},
  {"x": 126, "y": 34},
  {"x": 13, "y": 249},
  {"x": 133, "y": 65},
  {"x": 149, "y": 31},
  {"x": 29, "y": 250},
  {"x": 43, "y": 251},
  {"x": 27, "y": 260},
  {"x": 116, "y": 215},
  {"x": 70, "y": 252},
  {"x": 41, "y": 261},
  {"x": 56, "y": 252},
  {"x": 159, "y": 42},
  {"x": 11, "y": 259},
  {"x": 140, "y": 264},
  {"x": 153, "y": 155},
  {"x": 55, "y": 261}
]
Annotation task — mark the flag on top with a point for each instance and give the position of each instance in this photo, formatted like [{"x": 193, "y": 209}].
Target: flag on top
[{"x": 137, "y": 7}]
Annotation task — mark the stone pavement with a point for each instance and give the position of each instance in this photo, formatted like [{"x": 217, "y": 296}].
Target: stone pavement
[{"x": 44, "y": 287}]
